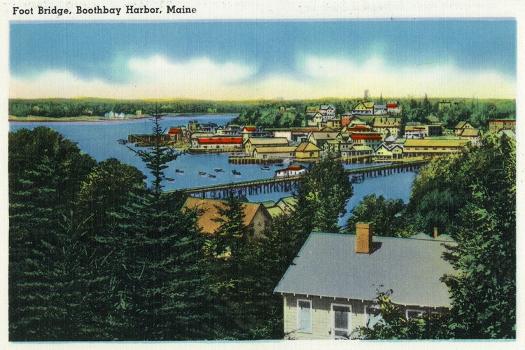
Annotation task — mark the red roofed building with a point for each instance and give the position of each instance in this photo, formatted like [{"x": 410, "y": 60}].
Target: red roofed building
[
  {"x": 372, "y": 139},
  {"x": 393, "y": 107},
  {"x": 175, "y": 134},
  {"x": 225, "y": 143}
]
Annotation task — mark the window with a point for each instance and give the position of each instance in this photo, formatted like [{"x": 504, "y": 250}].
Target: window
[
  {"x": 341, "y": 321},
  {"x": 373, "y": 315},
  {"x": 411, "y": 313},
  {"x": 304, "y": 316}
]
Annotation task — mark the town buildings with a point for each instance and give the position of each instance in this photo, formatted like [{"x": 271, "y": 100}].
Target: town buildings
[
  {"x": 307, "y": 151},
  {"x": 253, "y": 142},
  {"x": 209, "y": 142},
  {"x": 433, "y": 147},
  {"x": 330, "y": 289},
  {"x": 496, "y": 125}
]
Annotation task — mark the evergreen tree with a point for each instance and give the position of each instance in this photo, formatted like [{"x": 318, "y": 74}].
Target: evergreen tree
[
  {"x": 229, "y": 247},
  {"x": 111, "y": 203},
  {"x": 322, "y": 195},
  {"x": 483, "y": 291},
  {"x": 45, "y": 172},
  {"x": 385, "y": 214},
  {"x": 171, "y": 292},
  {"x": 483, "y": 286}
]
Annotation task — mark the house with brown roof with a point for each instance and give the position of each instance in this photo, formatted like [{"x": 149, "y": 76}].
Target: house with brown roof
[{"x": 255, "y": 215}]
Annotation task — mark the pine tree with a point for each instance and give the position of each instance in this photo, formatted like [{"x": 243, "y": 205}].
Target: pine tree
[
  {"x": 230, "y": 250},
  {"x": 323, "y": 193},
  {"x": 45, "y": 172},
  {"x": 111, "y": 204},
  {"x": 172, "y": 292}
]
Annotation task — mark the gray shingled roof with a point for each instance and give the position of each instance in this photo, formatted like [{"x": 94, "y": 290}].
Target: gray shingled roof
[{"x": 327, "y": 266}]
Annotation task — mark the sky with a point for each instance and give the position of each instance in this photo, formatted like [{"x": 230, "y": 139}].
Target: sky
[{"x": 233, "y": 60}]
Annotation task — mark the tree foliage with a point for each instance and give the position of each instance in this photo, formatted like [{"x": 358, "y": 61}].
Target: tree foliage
[
  {"x": 322, "y": 195},
  {"x": 387, "y": 215},
  {"x": 473, "y": 195}
]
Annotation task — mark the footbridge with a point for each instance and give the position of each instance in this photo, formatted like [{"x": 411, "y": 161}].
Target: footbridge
[{"x": 286, "y": 184}]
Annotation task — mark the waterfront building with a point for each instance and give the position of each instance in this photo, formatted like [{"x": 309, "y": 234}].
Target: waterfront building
[
  {"x": 213, "y": 142},
  {"x": 252, "y": 142},
  {"x": 351, "y": 152},
  {"x": 388, "y": 152},
  {"x": 291, "y": 170},
  {"x": 326, "y": 140},
  {"x": 331, "y": 287},
  {"x": 430, "y": 147},
  {"x": 256, "y": 216},
  {"x": 273, "y": 152},
  {"x": 371, "y": 139},
  {"x": 307, "y": 151},
  {"x": 496, "y": 125},
  {"x": 176, "y": 134}
]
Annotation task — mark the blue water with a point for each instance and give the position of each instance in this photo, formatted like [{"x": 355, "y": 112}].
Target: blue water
[{"x": 99, "y": 139}]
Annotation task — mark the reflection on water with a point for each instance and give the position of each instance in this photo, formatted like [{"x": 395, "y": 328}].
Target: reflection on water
[{"x": 99, "y": 139}]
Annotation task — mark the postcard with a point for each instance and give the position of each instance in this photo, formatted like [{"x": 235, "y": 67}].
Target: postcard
[{"x": 200, "y": 174}]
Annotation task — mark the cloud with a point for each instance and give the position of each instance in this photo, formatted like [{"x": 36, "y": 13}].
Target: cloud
[
  {"x": 340, "y": 76},
  {"x": 318, "y": 76},
  {"x": 150, "y": 77}
]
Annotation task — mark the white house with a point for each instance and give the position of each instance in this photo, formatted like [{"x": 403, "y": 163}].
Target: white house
[
  {"x": 332, "y": 284},
  {"x": 292, "y": 170}
]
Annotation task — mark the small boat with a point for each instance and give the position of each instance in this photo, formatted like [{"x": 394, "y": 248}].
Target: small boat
[
  {"x": 266, "y": 167},
  {"x": 178, "y": 171},
  {"x": 202, "y": 173},
  {"x": 235, "y": 172},
  {"x": 170, "y": 179},
  {"x": 212, "y": 176},
  {"x": 218, "y": 170},
  {"x": 122, "y": 141}
]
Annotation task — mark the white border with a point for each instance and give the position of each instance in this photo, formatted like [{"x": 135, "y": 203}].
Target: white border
[{"x": 296, "y": 10}]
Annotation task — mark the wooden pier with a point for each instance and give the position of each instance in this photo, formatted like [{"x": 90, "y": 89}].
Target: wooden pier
[{"x": 286, "y": 184}]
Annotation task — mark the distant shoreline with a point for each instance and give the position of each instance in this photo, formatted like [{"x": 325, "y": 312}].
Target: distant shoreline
[{"x": 86, "y": 118}]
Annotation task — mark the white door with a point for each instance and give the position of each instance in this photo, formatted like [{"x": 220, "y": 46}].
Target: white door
[{"x": 341, "y": 321}]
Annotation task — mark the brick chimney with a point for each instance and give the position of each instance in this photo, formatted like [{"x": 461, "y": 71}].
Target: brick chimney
[
  {"x": 363, "y": 237},
  {"x": 435, "y": 234}
]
